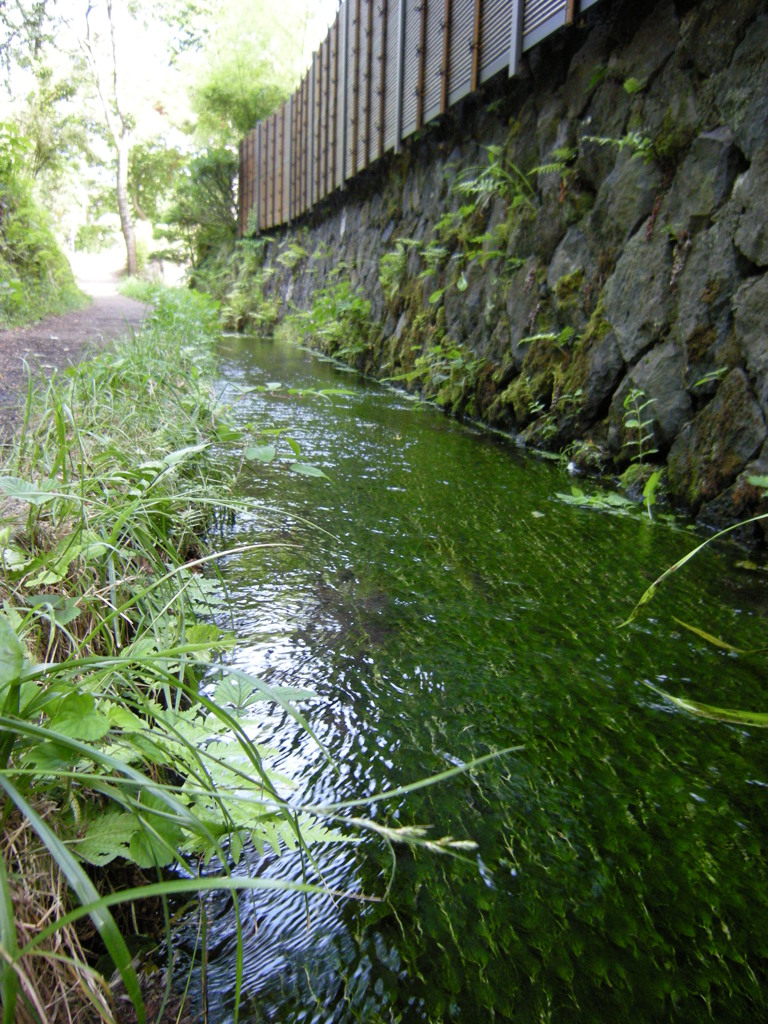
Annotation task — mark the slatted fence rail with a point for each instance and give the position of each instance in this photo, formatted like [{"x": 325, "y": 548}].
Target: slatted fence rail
[{"x": 385, "y": 69}]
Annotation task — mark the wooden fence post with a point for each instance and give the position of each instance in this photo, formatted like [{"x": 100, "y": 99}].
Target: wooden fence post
[
  {"x": 446, "y": 61},
  {"x": 476, "y": 28},
  {"x": 516, "y": 42},
  {"x": 422, "y": 51},
  {"x": 400, "y": 73}
]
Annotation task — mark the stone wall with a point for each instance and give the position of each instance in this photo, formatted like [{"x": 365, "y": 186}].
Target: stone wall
[{"x": 607, "y": 254}]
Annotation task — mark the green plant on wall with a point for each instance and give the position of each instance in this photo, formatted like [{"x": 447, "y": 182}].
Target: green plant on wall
[
  {"x": 245, "y": 305},
  {"x": 638, "y": 426},
  {"x": 499, "y": 179},
  {"x": 393, "y": 268},
  {"x": 636, "y": 141},
  {"x": 339, "y": 320},
  {"x": 291, "y": 255}
]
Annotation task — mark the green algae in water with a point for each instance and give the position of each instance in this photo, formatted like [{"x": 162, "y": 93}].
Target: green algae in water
[{"x": 458, "y": 607}]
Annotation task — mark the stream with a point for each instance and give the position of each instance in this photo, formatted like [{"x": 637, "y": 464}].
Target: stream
[{"x": 441, "y": 602}]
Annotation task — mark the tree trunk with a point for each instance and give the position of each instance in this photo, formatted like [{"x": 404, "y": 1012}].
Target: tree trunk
[{"x": 123, "y": 143}]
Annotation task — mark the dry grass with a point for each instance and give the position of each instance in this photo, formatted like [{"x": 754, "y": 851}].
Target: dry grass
[{"x": 55, "y": 984}]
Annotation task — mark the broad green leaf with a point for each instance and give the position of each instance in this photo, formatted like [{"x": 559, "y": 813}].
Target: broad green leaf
[
  {"x": 14, "y": 559},
  {"x": 108, "y": 836},
  {"x": 121, "y": 718},
  {"x": 23, "y": 490},
  {"x": 303, "y": 469},
  {"x": 462, "y": 284},
  {"x": 147, "y": 851},
  {"x": 11, "y": 653},
  {"x": 226, "y": 432},
  {"x": 242, "y": 692},
  {"x": 436, "y": 295},
  {"x": 157, "y": 842},
  {"x": 294, "y": 446},
  {"x": 62, "y": 610},
  {"x": 204, "y": 633},
  {"x": 262, "y": 453},
  {"x": 758, "y": 481},
  {"x": 78, "y": 718},
  {"x": 174, "y": 458},
  {"x": 56, "y": 563}
]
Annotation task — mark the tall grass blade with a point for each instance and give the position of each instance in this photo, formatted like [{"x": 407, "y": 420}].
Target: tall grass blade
[
  {"x": 86, "y": 893},
  {"x": 9, "y": 983},
  {"x": 648, "y": 594},
  {"x": 731, "y": 716}
]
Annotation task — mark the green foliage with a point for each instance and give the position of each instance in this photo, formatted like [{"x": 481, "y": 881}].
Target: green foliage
[
  {"x": 152, "y": 171},
  {"x": 252, "y": 58},
  {"x": 203, "y": 210},
  {"x": 606, "y": 501},
  {"x": 498, "y": 179},
  {"x": 638, "y": 143},
  {"x": 393, "y": 268},
  {"x": 446, "y": 372},
  {"x": 52, "y": 122},
  {"x": 561, "y": 339},
  {"x": 35, "y": 277},
  {"x": 232, "y": 99},
  {"x": 338, "y": 321},
  {"x": 291, "y": 255},
  {"x": 638, "y": 425},
  {"x": 245, "y": 306}
]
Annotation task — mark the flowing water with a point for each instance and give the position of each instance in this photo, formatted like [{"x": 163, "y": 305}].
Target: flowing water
[{"x": 440, "y": 602}]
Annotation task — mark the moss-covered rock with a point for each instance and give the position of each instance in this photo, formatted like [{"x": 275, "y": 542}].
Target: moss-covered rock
[{"x": 718, "y": 444}]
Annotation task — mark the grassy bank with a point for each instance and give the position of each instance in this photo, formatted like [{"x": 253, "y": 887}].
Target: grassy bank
[{"x": 113, "y": 763}]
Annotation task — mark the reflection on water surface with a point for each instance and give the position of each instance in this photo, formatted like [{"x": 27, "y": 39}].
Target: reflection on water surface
[{"x": 440, "y": 602}]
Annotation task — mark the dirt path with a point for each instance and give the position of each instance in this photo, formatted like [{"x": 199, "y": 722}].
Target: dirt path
[{"x": 60, "y": 341}]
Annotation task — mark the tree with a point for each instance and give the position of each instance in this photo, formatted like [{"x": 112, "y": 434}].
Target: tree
[
  {"x": 254, "y": 55},
  {"x": 111, "y": 81}
]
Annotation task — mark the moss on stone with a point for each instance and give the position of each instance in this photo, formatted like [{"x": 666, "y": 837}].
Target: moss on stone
[
  {"x": 569, "y": 289},
  {"x": 672, "y": 141}
]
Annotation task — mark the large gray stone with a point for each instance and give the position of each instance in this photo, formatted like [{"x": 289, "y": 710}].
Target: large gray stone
[
  {"x": 707, "y": 282},
  {"x": 658, "y": 376},
  {"x": 584, "y": 72},
  {"x": 715, "y": 447},
  {"x": 750, "y": 306},
  {"x": 713, "y": 30},
  {"x": 637, "y": 295},
  {"x": 742, "y": 89},
  {"x": 740, "y": 502},
  {"x": 650, "y": 47},
  {"x": 522, "y": 299},
  {"x": 603, "y": 373},
  {"x": 573, "y": 254},
  {"x": 704, "y": 181},
  {"x": 606, "y": 118},
  {"x": 750, "y": 197},
  {"x": 624, "y": 200}
]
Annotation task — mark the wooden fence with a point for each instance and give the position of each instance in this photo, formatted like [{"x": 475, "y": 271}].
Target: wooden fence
[{"x": 385, "y": 69}]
